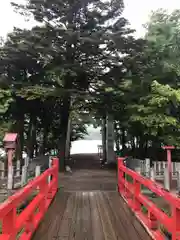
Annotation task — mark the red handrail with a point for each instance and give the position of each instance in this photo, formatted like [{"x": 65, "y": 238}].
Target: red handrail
[
  {"x": 28, "y": 220},
  {"x": 131, "y": 191}
]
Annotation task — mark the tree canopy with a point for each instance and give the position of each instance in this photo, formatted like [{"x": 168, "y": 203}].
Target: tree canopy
[{"x": 82, "y": 62}]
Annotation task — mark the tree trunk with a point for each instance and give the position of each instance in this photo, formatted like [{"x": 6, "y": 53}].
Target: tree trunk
[
  {"x": 104, "y": 138},
  {"x": 19, "y": 128},
  {"x": 145, "y": 148},
  {"x": 31, "y": 141},
  {"x": 68, "y": 140},
  {"x": 44, "y": 144},
  {"x": 110, "y": 139},
  {"x": 42, "y": 148},
  {"x": 141, "y": 147},
  {"x": 117, "y": 137},
  {"x": 123, "y": 140},
  {"x": 63, "y": 131}
]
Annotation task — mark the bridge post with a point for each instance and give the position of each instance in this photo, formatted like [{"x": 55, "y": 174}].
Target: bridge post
[
  {"x": 42, "y": 190},
  {"x": 137, "y": 190},
  {"x": 152, "y": 221}
]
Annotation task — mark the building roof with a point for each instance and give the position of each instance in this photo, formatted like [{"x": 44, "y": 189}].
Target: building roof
[{"x": 10, "y": 137}]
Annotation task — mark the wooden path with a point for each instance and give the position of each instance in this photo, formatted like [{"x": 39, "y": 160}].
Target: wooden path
[
  {"x": 90, "y": 216},
  {"x": 88, "y": 207}
]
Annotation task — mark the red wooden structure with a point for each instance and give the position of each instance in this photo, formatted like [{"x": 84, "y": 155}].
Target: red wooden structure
[
  {"x": 130, "y": 186},
  {"x": 28, "y": 220}
]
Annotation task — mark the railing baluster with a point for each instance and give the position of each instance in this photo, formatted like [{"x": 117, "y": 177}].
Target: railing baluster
[
  {"x": 137, "y": 190},
  {"x": 9, "y": 221},
  {"x": 152, "y": 220}
]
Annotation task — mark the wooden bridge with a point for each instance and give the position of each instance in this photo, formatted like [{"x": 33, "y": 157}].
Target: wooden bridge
[{"x": 88, "y": 205}]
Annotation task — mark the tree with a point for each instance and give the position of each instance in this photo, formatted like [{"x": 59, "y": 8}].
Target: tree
[{"x": 85, "y": 40}]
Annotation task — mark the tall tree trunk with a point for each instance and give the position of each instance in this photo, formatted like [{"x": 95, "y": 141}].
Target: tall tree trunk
[
  {"x": 19, "y": 129},
  {"x": 133, "y": 146},
  {"x": 141, "y": 147},
  {"x": 145, "y": 148},
  {"x": 68, "y": 140},
  {"x": 42, "y": 148},
  {"x": 44, "y": 143},
  {"x": 31, "y": 141},
  {"x": 123, "y": 140},
  {"x": 104, "y": 138},
  {"x": 117, "y": 137},
  {"x": 110, "y": 139},
  {"x": 63, "y": 131}
]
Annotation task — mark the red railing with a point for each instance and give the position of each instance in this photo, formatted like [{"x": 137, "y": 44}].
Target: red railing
[
  {"x": 24, "y": 224},
  {"x": 130, "y": 187}
]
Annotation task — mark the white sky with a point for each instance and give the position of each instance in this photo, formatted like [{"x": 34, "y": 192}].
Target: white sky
[{"x": 136, "y": 11}]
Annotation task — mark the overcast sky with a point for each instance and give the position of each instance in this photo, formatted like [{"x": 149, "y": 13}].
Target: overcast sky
[{"x": 136, "y": 11}]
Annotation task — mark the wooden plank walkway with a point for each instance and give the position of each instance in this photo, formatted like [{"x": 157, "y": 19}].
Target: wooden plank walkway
[
  {"x": 88, "y": 207},
  {"x": 86, "y": 215}
]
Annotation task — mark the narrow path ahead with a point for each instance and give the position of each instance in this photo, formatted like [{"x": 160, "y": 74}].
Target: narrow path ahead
[
  {"x": 88, "y": 207},
  {"x": 85, "y": 161}
]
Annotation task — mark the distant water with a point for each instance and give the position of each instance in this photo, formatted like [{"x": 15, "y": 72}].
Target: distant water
[{"x": 85, "y": 146}]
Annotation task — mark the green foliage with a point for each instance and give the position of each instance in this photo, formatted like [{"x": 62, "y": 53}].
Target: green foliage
[
  {"x": 145, "y": 99},
  {"x": 153, "y": 105},
  {"x": 75, "y": 54},
  {"x": 6, "y": 99},
  {"x": 83, "y": 60}
]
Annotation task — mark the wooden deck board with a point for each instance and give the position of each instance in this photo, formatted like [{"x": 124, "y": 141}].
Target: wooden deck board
[
  {"x": 90, "y": 215},
  {"x": 88, "y": 207}
]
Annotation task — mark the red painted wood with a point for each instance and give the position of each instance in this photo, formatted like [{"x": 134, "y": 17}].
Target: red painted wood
[
  {"x": 134, "y": 197},
  {"x": 168, "y": 147},
  {"x": 10, "y": 137},
  {"x": 30, "y": 217}
]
